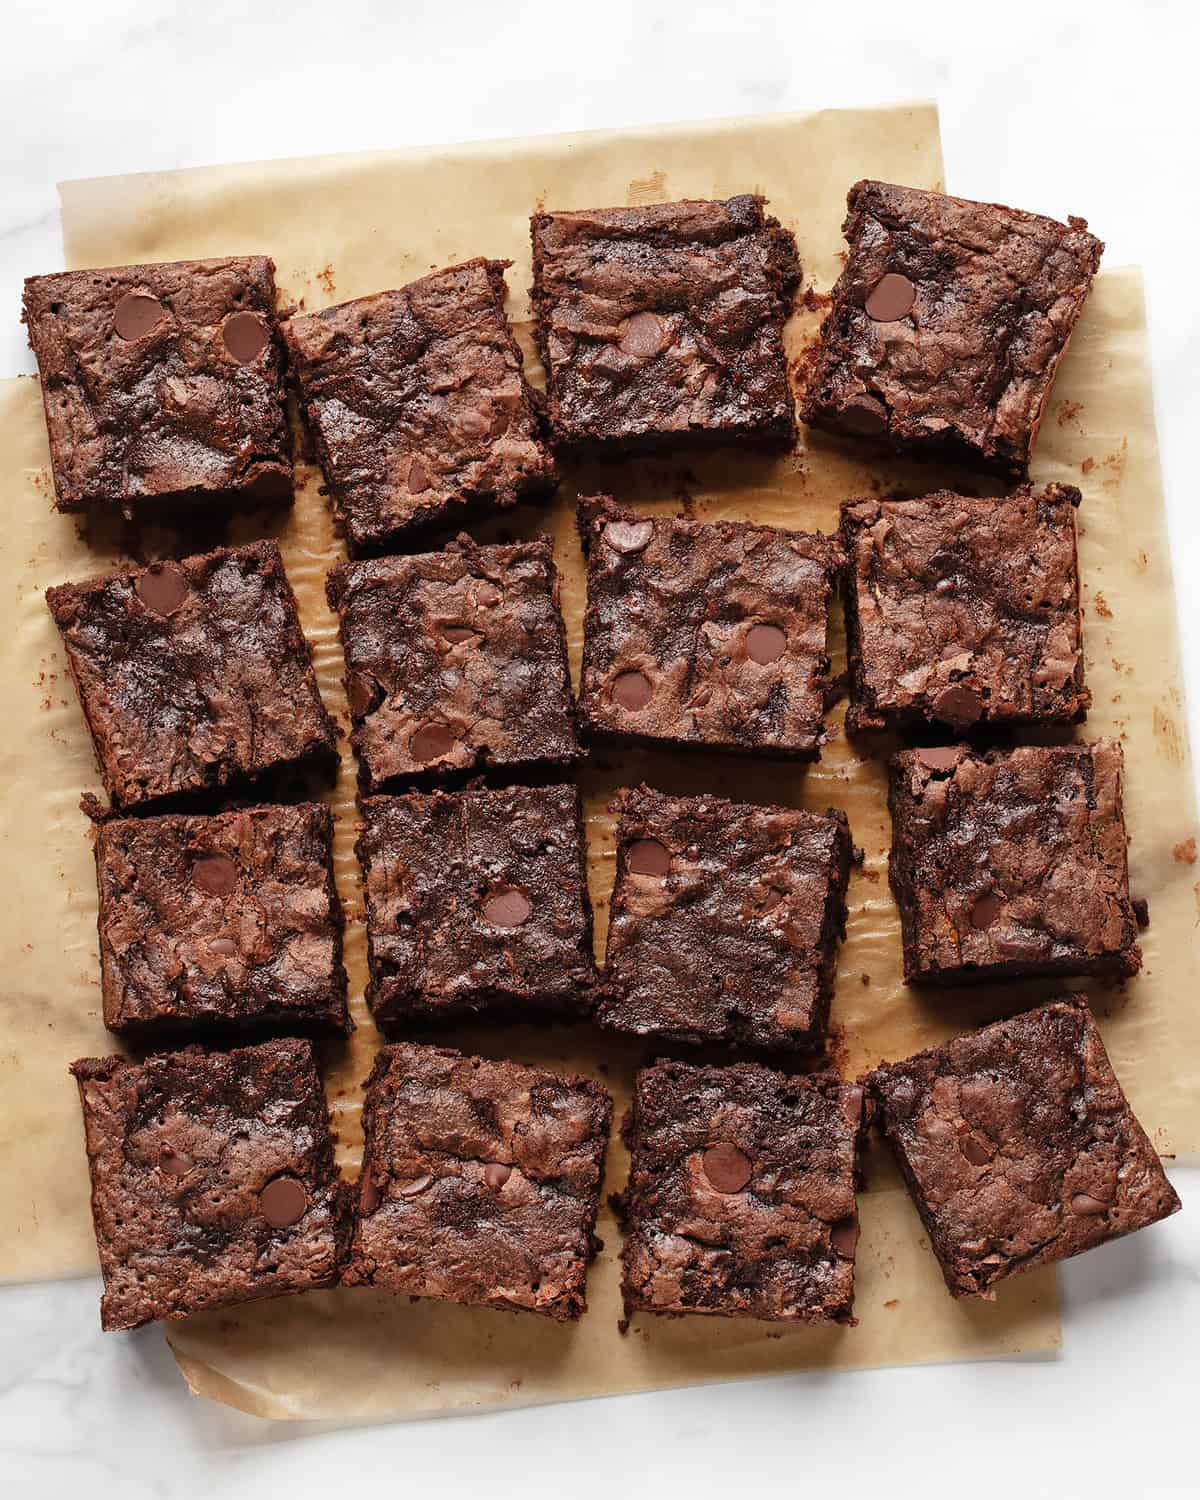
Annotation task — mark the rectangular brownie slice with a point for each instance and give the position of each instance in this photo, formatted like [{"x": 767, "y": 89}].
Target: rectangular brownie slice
[
  {"x": 477, "y": 905},
  {"x": 1011, "y": 863},
  {"x": 963, "y": 611},
  {"x": 225, "y": 924},
  {"x": 725, "y": 920},
  {"x": 455, "y": 660},
  {"x": 1019, "y": 1146},
  {"x": 741, "y": 1195},
  {"x": 663, "y": 324},
  {"x": 480, "y": 1182},
  {"x": 162, "y": 383},
  {"x": 418, "y": 406},
  {"x": 947, "y": 324},
  {"x": 213, "y": 1179},
  {"x": 193, "y": 675},
  {"x": 711, "y": 635}
]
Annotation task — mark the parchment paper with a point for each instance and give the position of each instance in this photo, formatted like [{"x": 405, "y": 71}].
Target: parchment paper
[{"x": 340, "y": 227}]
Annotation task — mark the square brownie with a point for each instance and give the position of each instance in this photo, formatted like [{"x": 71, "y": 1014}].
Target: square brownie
[
  {"x": 477, "y": 905},
  {"x": 711, "y": 635},
  {"x": 947, "y": 325},
  {"x": 1011, "y": 863},
  {"x": 213, "y": 1179},
  {"x": 725, "y": 920},
  {"x": 162, "y": 384},
  {"x": 225, "y": 924},
  {"x": 1019, "y": 1147},
  {"x": 193, "y": 675},
  {"x": 418, "y": 406},
  {"x": 663, "y": 324},
  {"x": 455, "y": 660},
  {"x": 964, "y": 612},
  {"x": 480, "y": 1182},
  {"x": 741, "y": 1193}
]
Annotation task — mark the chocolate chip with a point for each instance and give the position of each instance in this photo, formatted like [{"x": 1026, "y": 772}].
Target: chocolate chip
[
  {"x": 986, "y": 909},
  {"x": 976, "y": 1148},
  {"x": 865, "y": 416},
  {"x": 628, "y": 536},
  {"x": 136, "y": 314},
  {"x": 487, "y": 593},
  {"x": 371, "y": 1196},
  {"x": 245, "y": 336},
  {"x": 432, "y": 741},
  {"x": 507, "y": 908},
  {"x": 215, "y": 874},
  {"x": 958, "y": 706},
  {"x": 647, "y": 857},
  {"x": 174, "y": 1163},
  {"x": 765, "y": 644},
  {"x": 940, "y": 757},
  {"x": 226, "y": 947},
  {"x": 496, "y": 1174},
  {"x": 632, "y": 690},
  {"x": 162, "y": 588},
  {"x": 843, "y": 1236},
  {"x": 418, "y": 477},
  {"x": 892, "y": 298},
  {"x": 283, "y": 1202},
  {"x": 643, "y": 335},
  {"x": 363, "y": 692},
  {"x": 1085, "y": 1204},
  {"x": 414, "y": 1185},
  {"x": 727, "y": 1168},
  {"x": 456, "y": 634}
]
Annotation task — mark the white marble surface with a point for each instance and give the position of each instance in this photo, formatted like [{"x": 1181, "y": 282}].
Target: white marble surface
[{"x": 1044, "y": 105}]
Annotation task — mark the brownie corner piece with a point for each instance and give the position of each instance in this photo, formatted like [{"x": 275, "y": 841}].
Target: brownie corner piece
[
  {"x": 162, "y": 384},
  {"x": 1018, "y": 1146},
  {"x": 456, "y": 660},
  {"x": 663, "y": 324},
  {"x": 741, "y": 1195},
  {"x": 480, "y": 1182},
  {"x": 419, "y": 407},
  {"x": 927, "y": 273},
  {"x": 213, "y": 1179},
  {"x": 1011, "y": 864}
]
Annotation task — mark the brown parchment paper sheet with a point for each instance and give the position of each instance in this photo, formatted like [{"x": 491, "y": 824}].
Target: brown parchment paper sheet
[{"x": 340, "y": 227}]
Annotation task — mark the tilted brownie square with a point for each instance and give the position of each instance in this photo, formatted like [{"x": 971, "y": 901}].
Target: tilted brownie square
[
  {"x": 213, "y": 1179},
  {"x": 663, "y": 324},
  {"x": 225, "y": 924},
  {"x": 162, "y": 384},
  {"x": 948, "y": 324},
  {"x": 1019, "y": 1147},
  {"x": 480, "y": 1182},
  {"x": 741, "y": 1195},
  {"x": 418, "y": 406},
  {"x": 711, "y": 635},
  {"x": 725, "y": 920},
  {"x": 964, "y": 612},
  {"x": 1011, "y": 863},
  {"x": 477, "y": 904},
  {"x": 193, "y": 675},
  {"x": 455, "y": 660}
]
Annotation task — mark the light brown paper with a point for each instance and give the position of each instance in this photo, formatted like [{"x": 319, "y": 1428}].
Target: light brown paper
[{"x": 341, "y": 227}]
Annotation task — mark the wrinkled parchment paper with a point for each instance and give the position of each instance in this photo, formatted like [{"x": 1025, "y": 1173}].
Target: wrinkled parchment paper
[{"x": 342, "y": 227}]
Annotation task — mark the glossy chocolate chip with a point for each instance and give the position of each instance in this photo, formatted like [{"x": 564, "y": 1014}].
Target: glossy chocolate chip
[
  {"x": 632, "y": 690},
  {"x": 865, "y": 416},
  {"x": 843, "y": 1236},
  {"x": 136, "y": 314},
  {"x": 496, "y": 1174},
  {"x": 363, "y": 692},
  {"x": 647, "y": 857},
  {"x": 283, "y": 1202},
  {"x": 892, "y": 298},
  {"x": 958, "y": 706},
  {"x": 628, "y": 536},
  {"x": 371, "y": 1196},
  {"x": 226, "y": 947},
  {"x": 414, "y": 1185},
  {"x": 245, "y": 335},
  {"x": 643, "y": 335},
  {"x": 940, "y": 757},
  {"x": 174, "y": 1163},
  {"x": 162, "y": 588},
  {"x": 507, "y": 908},
  {"x": 765, "y": 644},
  {"x": 457, "y": 634},
  {"x": 727, "y": 1168},
  {"x": 1085, "y": 1205},
  {"x": 432, "y": 741},
  {"x": 418, "y": 477},
  {"x": 986, "y": 909},
  {"x": 976, "y": 1148},
  {"x": 215, "y": 874}
]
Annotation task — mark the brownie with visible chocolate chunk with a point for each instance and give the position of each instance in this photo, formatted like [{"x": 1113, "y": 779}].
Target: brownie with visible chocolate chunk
[
  {"x": 162, "y": 384},
  {"x": 419, "y": 407},
  {"x": 456, "y": 660},
  {"x": 741, "y": 1194},
  {"x": 948, "y": 324},
  {"x": 1019, "y": 1146},
  {"x": 711, "y": 635},
  {"x": 193, "y": 675},
  {"x": 213, "y": 1180},
  {"x": 477, "y": 905},
  {"x": 1011, "y": 863},
  {"x": 480, "y": 1182},
  {"x": 725, "y": 920},
  {"x": 964, "y": 611},
  {"x": 221, "y": 925},
  {"x": 663, "y": 324}
]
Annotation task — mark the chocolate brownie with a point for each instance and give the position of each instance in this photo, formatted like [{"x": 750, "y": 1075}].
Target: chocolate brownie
[
  {"x": 1019, "y": 1147},
  {"x": 947, "y": 324},
  {"x": 709, "y": 635},
  {"x": 418, "y": 405},
  {"x": 663, "y": 324},
  {"x": 455, "y": 660},
  {"x": 193, "y": 675},
  {"x": 477, "y": 904},
  {"x": 725, "y": 920},
  {"x": 741, "y": 1193},
  {"x": 1011, "y": 863},
  {"x": 964, "y": 612},
  {"x": 162, "y": 384},
  {"x": 213, "y": 1179},
  {"x": 480, "y": 1182},
  {"x": 221, "y": 924}
]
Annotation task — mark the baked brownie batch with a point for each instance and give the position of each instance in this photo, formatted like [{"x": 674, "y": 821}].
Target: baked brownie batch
[{"x": 213, "y": 1174}]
